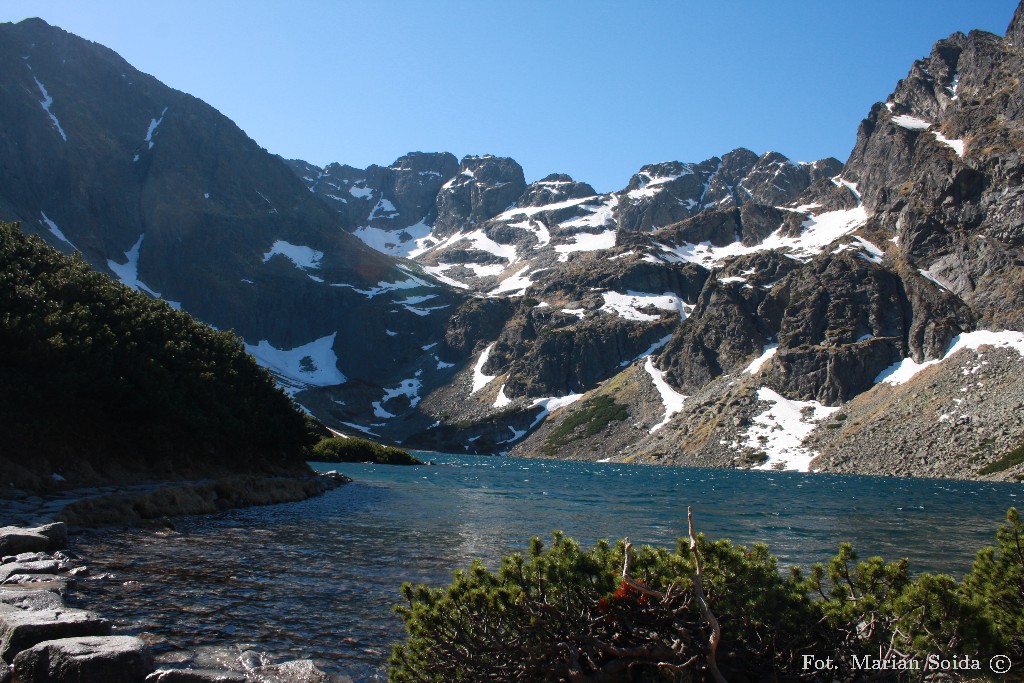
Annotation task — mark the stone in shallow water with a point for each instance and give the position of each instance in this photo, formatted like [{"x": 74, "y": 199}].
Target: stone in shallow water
[
  {"x": 297, "y": 671},
  {"x": 195, "y": 676},
  {"x": 21, "y": 629},
  {"x": 110, "y": 659}
]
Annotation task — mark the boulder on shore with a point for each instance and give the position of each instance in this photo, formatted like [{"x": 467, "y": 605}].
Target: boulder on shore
[
  {"x": 21, "y": 629},
  {"x": 111, "y": 659}
]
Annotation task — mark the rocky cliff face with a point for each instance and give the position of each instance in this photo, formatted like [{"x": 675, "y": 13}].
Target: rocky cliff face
[{"x": 911, "y": 258}]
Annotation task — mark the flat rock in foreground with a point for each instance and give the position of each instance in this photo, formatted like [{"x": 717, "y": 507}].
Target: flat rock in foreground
[
  {"x": 111, "y": 659},
  {"x": 21, "y": 629}
]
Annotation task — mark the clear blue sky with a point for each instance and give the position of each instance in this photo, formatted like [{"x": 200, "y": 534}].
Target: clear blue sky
[{"x": 595, "y": 89}]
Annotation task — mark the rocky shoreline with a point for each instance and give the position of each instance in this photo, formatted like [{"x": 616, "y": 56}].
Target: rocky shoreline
[{"x": 43, "y": 640}]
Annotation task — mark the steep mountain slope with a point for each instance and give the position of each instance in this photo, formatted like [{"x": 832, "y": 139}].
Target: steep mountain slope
[
  {"x": 893, "y": 349},
  {"x": 164, "y": 193}
]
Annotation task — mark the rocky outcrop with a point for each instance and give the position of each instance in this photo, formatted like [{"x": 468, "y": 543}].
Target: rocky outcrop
[
  {"x": 548, "y": 352},
  {"x": 938, "y": 165},
  {"x": 552, "y": 189},
  {"x": 390, "y": 198},
  {"x": 663, "y": 194},
  {"x": 483, "y": 187},
  {"x": 748, "y": 224}
]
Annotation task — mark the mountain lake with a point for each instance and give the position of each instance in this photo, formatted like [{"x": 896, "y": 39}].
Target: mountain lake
[{"x": 319, "y": 578}]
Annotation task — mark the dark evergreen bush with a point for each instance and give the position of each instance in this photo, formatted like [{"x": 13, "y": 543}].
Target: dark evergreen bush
[
  {"x": 566, "y": 614},
  {"x": 352, "y": 449},
  {"x": 97, "y": 378}
]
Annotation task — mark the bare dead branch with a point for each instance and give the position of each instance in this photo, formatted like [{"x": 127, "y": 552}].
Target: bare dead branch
[{"x": 698, "y": 591}]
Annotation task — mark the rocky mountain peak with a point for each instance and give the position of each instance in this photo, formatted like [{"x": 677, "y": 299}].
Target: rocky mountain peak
[
  {"x": 931, "y": 87},
  {"x": 1015, "y": 31},
  {"x": 557, "y": 187},
  {"x": 483, "y": 187}
]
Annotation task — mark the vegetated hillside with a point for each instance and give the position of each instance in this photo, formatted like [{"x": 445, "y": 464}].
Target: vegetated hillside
[{"x": 98, "y": 382}]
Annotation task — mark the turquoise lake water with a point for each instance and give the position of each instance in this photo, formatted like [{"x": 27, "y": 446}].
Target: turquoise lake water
[{"x": 319, "y": 578}]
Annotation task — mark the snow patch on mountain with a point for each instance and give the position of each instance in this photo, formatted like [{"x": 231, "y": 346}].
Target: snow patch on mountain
[
  {"x": 360, "y": 192},
  {"x": 917, "y": 124},
  {"x": 586, "y": 241},
  {"x": 599, "y": 216},
  {"x": 410, "y": 388},
  {"x": 956, "y": 145},
  {"x": 480, "y": 380},
  {"x": 766, "y": 355},
  {"x": 670, "y": 398},
  {"x": 780, "y": 431},
  {"x": 661, "y": 343},
  {"x": 312, "y": 364},
  {"x": 46, "y": 103},
  {"x": 405, "y": 243},
  {"x": 437, "y": 272},
  {"x": 128, "y": 272},
  {"x": 56, "y": 231},
  {"x": 631, "y": 304},
  {"x": 818, "y": 231},
  {"x": 911, "y": 122},
  {"x": 153, "y": 124},
  {"x": 423, "y": 311},
  {"x": 383, "y": 207},
  {"x": 527, "y": 211},
  {"x": 550, "y": 405},
  {"x": 502, "y": 400},
  {"x": 303, "y": 257},
  {"x": 514, "y": 285},
  {"x": 905, "y": 370}
]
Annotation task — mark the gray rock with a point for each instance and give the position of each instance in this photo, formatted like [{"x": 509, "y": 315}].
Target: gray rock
[
  {"x": 297, "y": 671},
  {"x": 21, "y": 629},
  {"x": 31, "y": 599},
  {"x": 46, "y": 582},
  {"x": 37, "y": 567},
  {"x": 27, "y": 557},
  {"x": 484, "y": 187},
  {"x": 195, "y": 676},
  {"x": 556, "y": 187},
  {"x": 14, "y": 540},
  {"x": 111, "y": 659},
  {"x": 56, "y": 532}
]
